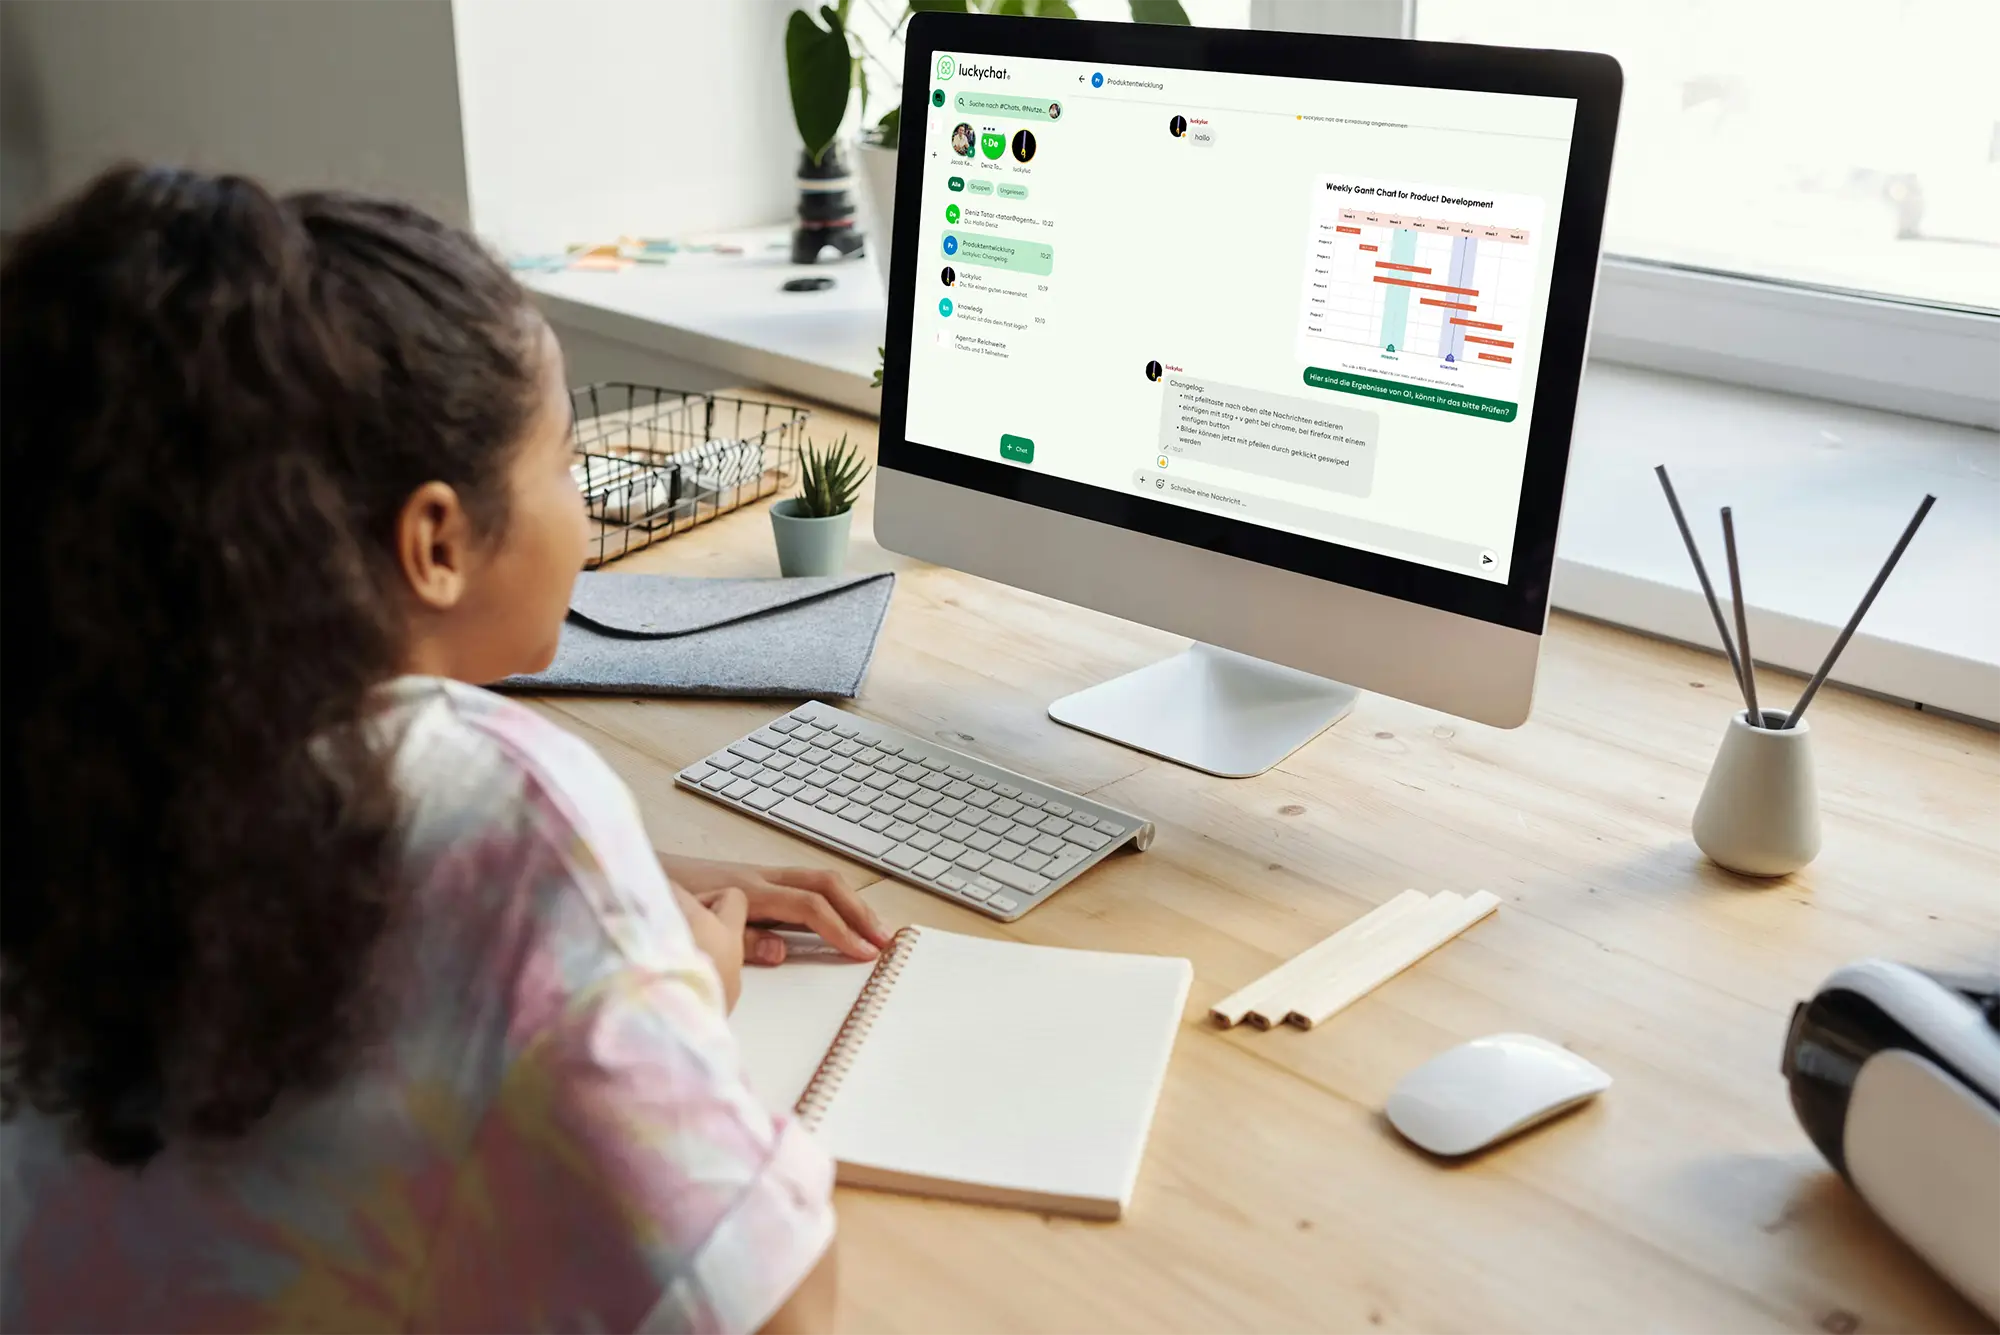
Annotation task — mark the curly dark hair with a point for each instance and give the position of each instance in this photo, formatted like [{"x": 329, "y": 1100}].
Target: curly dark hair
[{"x": 215, "y": 403}]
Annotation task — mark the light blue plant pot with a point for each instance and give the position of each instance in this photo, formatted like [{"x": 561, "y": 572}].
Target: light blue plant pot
[{"x": 809, "y": 546}]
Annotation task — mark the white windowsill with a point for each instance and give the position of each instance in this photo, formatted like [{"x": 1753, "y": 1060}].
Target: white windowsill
[{"x": 1820, "y": 490}]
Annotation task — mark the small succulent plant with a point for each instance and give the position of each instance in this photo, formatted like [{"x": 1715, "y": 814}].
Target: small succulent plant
[{"x": 830, "y": 478}]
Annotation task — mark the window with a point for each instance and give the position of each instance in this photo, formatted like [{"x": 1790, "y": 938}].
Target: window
[{"x": 1807, "y": 193}]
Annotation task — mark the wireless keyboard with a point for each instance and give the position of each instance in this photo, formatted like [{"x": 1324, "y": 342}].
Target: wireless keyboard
[{"x": 950, "y": 823}]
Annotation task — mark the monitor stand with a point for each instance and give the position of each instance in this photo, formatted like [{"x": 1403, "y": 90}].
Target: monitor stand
[{"x": 1211, "y": 709}]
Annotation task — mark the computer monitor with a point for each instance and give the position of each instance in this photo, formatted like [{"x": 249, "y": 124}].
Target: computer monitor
[{"x": 1267, "y": 339}]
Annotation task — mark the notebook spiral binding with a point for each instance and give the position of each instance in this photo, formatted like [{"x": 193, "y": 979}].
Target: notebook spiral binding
[{"x": 825, "y": 1082}]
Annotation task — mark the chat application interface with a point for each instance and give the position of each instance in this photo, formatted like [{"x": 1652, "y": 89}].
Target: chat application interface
[{"x": 1310, "y": 305}]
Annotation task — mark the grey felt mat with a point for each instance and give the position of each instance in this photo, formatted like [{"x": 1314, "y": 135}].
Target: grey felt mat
[{"x": 666, "y": 635}]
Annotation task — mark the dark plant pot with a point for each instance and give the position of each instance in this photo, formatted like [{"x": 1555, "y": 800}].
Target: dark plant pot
[{"x": 826, "y": 208}]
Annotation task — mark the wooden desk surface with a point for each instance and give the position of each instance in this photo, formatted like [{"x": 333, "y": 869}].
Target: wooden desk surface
[{"x": 1273, "y": 1195}]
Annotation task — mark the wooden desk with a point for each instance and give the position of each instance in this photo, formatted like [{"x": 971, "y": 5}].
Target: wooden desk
[{"x": 1273, "y": 1195}]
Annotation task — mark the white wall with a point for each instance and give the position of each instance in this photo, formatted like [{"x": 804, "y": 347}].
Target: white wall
[
  {"x": 297, "y": 92},
  {"x": 586, "y": 120}
]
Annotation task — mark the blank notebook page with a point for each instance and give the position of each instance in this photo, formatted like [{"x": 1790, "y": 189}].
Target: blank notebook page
[
  {"x": 1026, "y": 1068},
  {"x": 788, "y": 1017}
]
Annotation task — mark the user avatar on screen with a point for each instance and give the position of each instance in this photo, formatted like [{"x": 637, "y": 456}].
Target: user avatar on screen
[
  {"x": 961, "y": 140},
  {"x": 1177, "y": 126},
  {"x": 1024, "y": 145},
  {"x": 950, "y": 275},
  {"x": 1153, "y": 370}
]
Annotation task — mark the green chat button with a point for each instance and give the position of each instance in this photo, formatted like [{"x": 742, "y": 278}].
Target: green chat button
[
  {"x": 1019, "y": 449},
  {"x": 999, "y": 104},
  {"x": 978, "y": 187},
  {"x": 955, "y": 183},
  {"x": 1009, "y": 190},
  {"x": 1000, "y": 252}
]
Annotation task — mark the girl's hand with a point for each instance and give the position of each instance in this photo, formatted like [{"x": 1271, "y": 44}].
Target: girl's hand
[
  {"x": 784, "y": 897},
  {"x": 717, "y": 926}
]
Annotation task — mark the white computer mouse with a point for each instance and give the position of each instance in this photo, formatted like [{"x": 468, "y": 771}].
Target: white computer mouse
[{"x": 1491, "y": 1088}]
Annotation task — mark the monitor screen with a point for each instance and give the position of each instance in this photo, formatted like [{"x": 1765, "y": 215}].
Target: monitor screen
[{"x": 1311, "y": 306}]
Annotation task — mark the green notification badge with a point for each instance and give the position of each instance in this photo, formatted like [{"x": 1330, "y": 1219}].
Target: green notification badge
[{"x": 992, "y": 145}]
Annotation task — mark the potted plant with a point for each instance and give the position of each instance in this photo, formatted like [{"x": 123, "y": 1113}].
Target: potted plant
[
  {"x": 826, "y": 63},
  {"x": 811, "y": 528}
]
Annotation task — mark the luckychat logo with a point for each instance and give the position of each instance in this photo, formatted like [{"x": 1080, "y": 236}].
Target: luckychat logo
[
  {"x": 983, "y": 72},
  {"x": 944, "y": 67}
]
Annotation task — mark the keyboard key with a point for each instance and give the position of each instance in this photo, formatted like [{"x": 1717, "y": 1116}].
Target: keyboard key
[
  {"x": 879, "y": 781},
  {"x": 718, "y": 781},
  {"x": 958, "y": 829},
  {"x": 1031, "y": 800},
  {"x": 825, "y": 801},
  {"x": 996, "y": 825},
  {"x": 981, "y": 840},
  {"x": 904, "y": 789},
  {"x": 980, "y": 781},
  {"x": 696, "y": 773},
  {"x": 949, "y": 849},
  {"x": 842, "y": 786},
  {"x": 781, "y": 764},
  {"x": 809, "y": 734},
  {"x": 933, "y": 822},
  {"x": 988, "y": 884},
  {"x": 933, "y": 763},
  {"x": 810, "y": 795},
  {"x": 869, "y": 756},
  {"x": 974, "y": 861},
  {"x": 795, "y": 748},
  {"x": 974, "y": 890},
  {"x": 948, "y": 806},
  {"x": 846, "y": 749},
  {"x": 951, "y": 880},
  {"x": 739, "y": 790},
  {"x": 836, "y": 765},
  {"x": 816, "y": 755},
  {"x": 902, "y": 855},
  {"x": 763, "y": 799},
  {"x": 958, "y": 790},
  {"x": 980, "y": 800},
  {"x": 1006, "y": 806},
  {"x": 1056, "y": 826},
  {"x": 1022, "y": 833},
  {"x": 1061, "y": 863},
  {"x": 912, "y": 770},
  {"x": 925, "y": 800},
  {"x": 723, "y": 760},
  {"x": 925, "y": 840},
  {"x": 1090, "y": 839},
  {"x": 1006, "y": 790},
  {"x": 844, "y": 730},
  {"x": 819, "y": 778},
  {"x": 878, "y": 822},
  {"x": 934, "y": 782},
  {"x": 1007, "y": 850},
  {"x": 889, "y": 748},
  {"x": 785, "y": 725},
  {"x": 900, "y": 830},
  {"x": 959, "y": 772},
  {"x": 932, "y": 868},
  {"x": 1005, "y": 903},
  {"x": 837, "y": 806},
  {"x": 1031, "y": 861},
  {"x": 788, "y": 787},
  {"x": 832, "y": 827},
  {"x": 766, "y": 737},
  {"x": 1046, "y": 843},
  {"x": 910, "y": 811},
  {"x": 1025, "y": 881},
  {"x": 1057, "y": 809}
]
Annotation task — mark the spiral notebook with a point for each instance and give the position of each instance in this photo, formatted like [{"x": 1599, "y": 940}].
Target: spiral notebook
[{"x": 962, "y": 1067}]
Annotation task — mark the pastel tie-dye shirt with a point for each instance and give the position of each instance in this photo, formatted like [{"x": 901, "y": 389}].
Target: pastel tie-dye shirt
[{"x": 551, "y": 1133}]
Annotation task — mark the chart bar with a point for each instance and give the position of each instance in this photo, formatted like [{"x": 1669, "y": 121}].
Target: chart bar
[
  {"x": 1449, "y": 305},
  {"x": 1495, "y": 342},
  {"x": 1474, "y": 324},
  {"x": 1404, "y": 268},
  {"x": 1493, "y": 357}
]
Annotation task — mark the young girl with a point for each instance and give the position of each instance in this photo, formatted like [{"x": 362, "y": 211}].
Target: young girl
[{"x": 336, "y": 992}]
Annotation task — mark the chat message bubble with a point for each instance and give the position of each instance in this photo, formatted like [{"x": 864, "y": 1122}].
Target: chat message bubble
[{"x": 1331, "y": 447}]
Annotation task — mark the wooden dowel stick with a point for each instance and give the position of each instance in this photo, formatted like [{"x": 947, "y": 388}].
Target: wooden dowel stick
[
  {"x": 1276, "y": 1002},
  {"x": 1301, "y": 967},
  {"x": 1391, "y": 956},
  {"x": 1847, "y": 631},
  {"x": 1755, "y": 715}
]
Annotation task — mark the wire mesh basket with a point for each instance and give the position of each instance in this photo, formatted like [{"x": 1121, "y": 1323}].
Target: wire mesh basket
[{"x": 654, "y": 462}]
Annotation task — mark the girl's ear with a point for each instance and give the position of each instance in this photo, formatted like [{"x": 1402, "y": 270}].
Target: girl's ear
[{"x": 434, "y": 545}]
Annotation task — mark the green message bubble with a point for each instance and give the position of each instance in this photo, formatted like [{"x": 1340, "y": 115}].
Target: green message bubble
[
  {"x": 1002, "y": 252},
  {"x": 1421, "y": 396},
  {"x": 999, "y": 104}
]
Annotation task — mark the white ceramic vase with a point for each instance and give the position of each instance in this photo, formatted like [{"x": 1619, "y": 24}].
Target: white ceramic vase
[
  {"x": 876, "y": 168},
  {"x": 1759, "y": 811}
]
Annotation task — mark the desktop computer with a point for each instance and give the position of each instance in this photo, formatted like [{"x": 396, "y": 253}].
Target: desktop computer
[{"x": 1269, "y": 340}]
